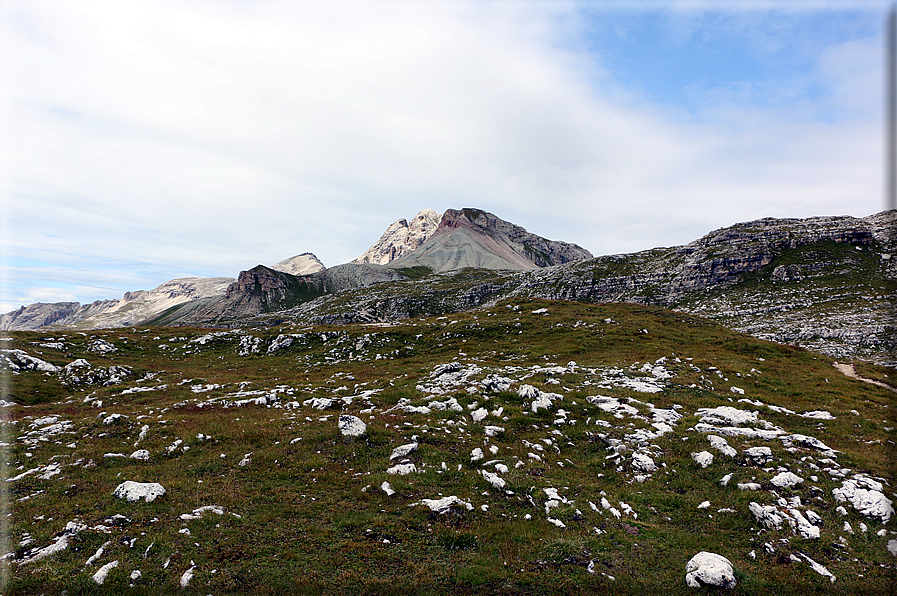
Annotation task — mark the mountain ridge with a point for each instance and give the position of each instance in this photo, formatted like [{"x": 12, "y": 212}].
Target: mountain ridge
[{"x": 825, "y": 282}]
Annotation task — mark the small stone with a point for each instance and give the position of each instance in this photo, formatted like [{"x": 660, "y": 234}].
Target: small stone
[{"x": 403, "y": 451}]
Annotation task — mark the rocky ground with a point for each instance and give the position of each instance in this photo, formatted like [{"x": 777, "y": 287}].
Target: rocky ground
[{"x": 527, "y": 447}]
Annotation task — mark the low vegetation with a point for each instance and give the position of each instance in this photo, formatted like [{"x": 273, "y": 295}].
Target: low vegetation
[{"x": 537, "y": 415}]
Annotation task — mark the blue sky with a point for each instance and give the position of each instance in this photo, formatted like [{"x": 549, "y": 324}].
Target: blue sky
[{"x": 142, "y": 141}]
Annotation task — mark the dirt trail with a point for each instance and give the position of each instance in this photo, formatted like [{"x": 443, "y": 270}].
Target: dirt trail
[{"x": 850, "y": 371}]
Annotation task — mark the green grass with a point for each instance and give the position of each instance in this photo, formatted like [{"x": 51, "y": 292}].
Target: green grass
[{"x": 312, "y": 516}]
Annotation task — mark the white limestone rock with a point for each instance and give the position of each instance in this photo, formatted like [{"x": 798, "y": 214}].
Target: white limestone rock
[
  {"x": 643, "y": 462},
  {"x": 491, "y": 431},
  {"x": 100, "y": 576},
  {"x": 479, "y": 415},
  {"x": 758, "y": 456},
  {"x": 403, "y": 451},
  {"x": 786, "y": 480},
  {"x": 134, "y": 491},
  {"x": 703, "y": 459},
  {"x": 444, "y": 504},
  {"x": 709, "y": 569},
  {"x": 727, "y": 415},
  {"x": 804, "y": 527},
  {"x": 495, "y": 480},
  {"x": 401, "y": 469},
  {"x": 721, "y": 445},
  {"x": 528, "y": 392},
  {"x": 141, "y": 454},
  {"x": 767, "y": 515},
  {"x": 400, "y": 238},
  {"x": 351, "y": 426},
  {"x": 818, "y": 568},
  {"x": 871, "y": 502}
]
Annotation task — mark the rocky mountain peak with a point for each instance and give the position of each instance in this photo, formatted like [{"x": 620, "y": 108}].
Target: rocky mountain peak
[
  {"x": 476, "y": 238},
  {"x": 304, "y": 264},
  {"x": 401, "y": 238}
]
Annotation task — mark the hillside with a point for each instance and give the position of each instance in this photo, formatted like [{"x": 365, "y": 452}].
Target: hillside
[
  {"x": 575, "y": 448},
  {"x": 827, "y": 283}
]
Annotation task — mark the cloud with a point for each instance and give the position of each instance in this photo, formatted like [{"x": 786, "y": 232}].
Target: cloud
[{"x": 150, "y": 140}]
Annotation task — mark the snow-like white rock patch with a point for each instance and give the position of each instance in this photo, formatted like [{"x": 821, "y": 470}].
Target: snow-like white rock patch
[
  {"x": 786, "y": 479},
  {"x": 703, "y": 459},
  {"x": 709, "y": 569},
  {"x": 401, "y": 469},
  {"x": 495, "y": 480},
  {"x": 727, "y": 415},
  {"x": 134, "y": 491},
  {"x": 767, "y": 515},
  {"x": 444, "y": 504},
  {"x": 818, "y": 568},
  {"x": 871, "y": 502},
  {"x": 643, "y": 462},
  {"x": 403, "y": 451},
  {"x": 351, "y": 426},
  {"x": 758, "y": 455},
  {"x": 721, "y": 445},
  {"x": 100, "y": 576}
]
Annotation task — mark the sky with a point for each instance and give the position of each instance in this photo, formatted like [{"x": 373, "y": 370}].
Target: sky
[{"x": 142, "y": 141}]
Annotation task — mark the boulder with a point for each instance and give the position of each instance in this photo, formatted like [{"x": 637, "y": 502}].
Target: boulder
[
  {"x": 134, "y": 491},
  {"x": 709, "y": 569},
  {"x": 351, "y": 426}
]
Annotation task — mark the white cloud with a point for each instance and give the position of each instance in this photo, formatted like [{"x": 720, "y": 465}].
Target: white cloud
[{"x": 174, "y": 138}]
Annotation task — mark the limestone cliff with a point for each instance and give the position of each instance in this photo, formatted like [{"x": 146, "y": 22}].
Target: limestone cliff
[{"x": 400, "y": 238}]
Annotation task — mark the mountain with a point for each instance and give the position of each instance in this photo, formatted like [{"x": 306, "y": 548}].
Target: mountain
[
  {"x": 303, "y": 264},
  {"x": 827, "y": 283},
  {"x": 132, "y": 309},
  {"x": 400, "y": 238},
  {"x": 474, "y": 238}
]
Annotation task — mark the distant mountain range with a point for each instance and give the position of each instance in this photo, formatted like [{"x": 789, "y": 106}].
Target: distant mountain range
[{"x": 824, "y": 282}]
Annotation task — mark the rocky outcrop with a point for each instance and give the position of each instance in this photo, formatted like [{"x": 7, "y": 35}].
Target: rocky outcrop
[
  {"x": 35, "y": 316},
  {"x": 474, "y": 238},
  {"x": 401, "y": 238}
]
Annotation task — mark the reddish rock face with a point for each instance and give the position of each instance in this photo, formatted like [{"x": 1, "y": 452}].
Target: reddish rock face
[{"x": 475, "y": 238}]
